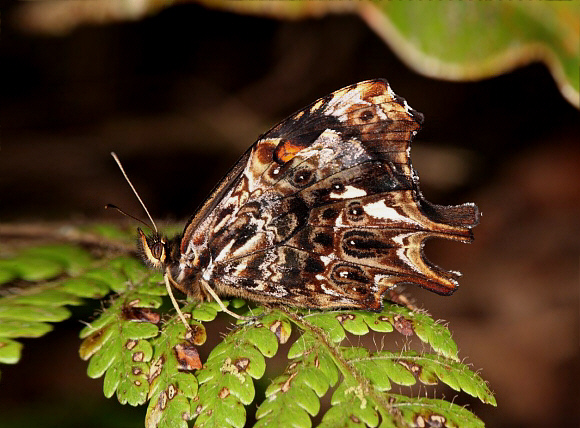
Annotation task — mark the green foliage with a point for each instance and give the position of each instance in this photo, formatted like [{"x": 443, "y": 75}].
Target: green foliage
[
  {"x": 145, "y": 357},
  {"x": 454, "y": 40},
  {"x": 117, "y": 347},
  {"x": 458, "y": 40}
]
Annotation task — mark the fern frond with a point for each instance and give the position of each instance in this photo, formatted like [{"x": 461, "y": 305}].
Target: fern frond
[
  {"x": 172, "y": 385},
  {"x": 115, "y": 345},
  {"x": 423, "y": 411},
  {"x": 226, "y": 383},
  {"x": 428, "y": 368},
  {"x": 145, "y": 357},
  {"x": 27, "y": 312},
  {"x": 294, "y": 395}
]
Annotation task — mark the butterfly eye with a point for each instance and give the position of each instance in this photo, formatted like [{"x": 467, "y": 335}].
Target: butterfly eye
[
  {"x": 157, "y": 250},
  {"x": 355, "y": 211}
]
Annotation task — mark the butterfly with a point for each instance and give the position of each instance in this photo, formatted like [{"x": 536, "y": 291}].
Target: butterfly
[{"x": 322, "y": 211}]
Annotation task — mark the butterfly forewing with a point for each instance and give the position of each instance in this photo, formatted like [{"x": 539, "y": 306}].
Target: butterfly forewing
[{"x": 325, "y": 210}]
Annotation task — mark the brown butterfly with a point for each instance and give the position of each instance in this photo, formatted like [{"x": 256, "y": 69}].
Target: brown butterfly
[{"x": 323, "y": 211}]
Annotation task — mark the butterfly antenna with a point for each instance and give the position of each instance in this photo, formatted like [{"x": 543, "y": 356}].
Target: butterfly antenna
[
  {"x": 134, "y": 191},
  {"x": 115, "y": 207}
]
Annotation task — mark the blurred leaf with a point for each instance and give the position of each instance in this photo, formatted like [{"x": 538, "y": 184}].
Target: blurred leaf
[
  {"x": 476, "y": 40},
  {"x": 466, "y": 40},
  {"x": 10, "y": 351}
]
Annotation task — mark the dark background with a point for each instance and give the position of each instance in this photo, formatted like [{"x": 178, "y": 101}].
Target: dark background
[{"x": 179, "y": 96}]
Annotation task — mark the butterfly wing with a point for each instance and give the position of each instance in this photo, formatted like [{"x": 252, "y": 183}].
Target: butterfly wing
[{"x": 327, "y": 210}]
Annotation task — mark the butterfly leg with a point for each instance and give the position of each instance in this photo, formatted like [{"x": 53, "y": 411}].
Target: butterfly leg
[
  {"x": 168, "y": 280},
  {"x": 220, "y": 303}
]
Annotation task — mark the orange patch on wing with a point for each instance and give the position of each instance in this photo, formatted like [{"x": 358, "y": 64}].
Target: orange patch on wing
[{"x": 286, "y": 151}]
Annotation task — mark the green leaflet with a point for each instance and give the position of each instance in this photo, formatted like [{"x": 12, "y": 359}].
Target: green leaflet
[
  {"x": 73, "y": 273},
  {"x": 226, "y": 378},
  {"x": 350, "y": 407},
  {"x": 293, "y": 396},
  {"x": 10, "y": 351},
  {"x": 457, "y": 375},
  {"x": 422, "y": 411},
  {"x": 26, "y": 312},
  {"x": 426, "y": 329},
  {"x": 354, "y": 405},
  {"x": 116, "y": 348},
  {"x": 31, "y": 268},
  {"x": 172, "y": 383},
  {"x": 74, "y": 259},
  {"x": 328, "y": 323},
  {"x": 43, "y": 263},
  {"x": 335, "y": 323}
]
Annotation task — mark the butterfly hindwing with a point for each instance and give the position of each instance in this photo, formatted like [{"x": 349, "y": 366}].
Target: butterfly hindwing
[{"x": 325, "y": 210}]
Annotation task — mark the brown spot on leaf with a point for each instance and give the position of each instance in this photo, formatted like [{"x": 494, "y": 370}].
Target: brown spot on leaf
[
  {"x": 136, "y": 371},
  {"x": 162, "y": 403},
  {"x": 419, "y": 421},
  {"x": 343, "y": 317},
  {"x": 187, "y": 357},
  {"x": 171, "y": 391},
  {"x": 242, "y": 364},
  {"x": 403, "y": 325},
  {"x": 92, "y": 342},
  {"x": 198, "y": 409},
  {"x": 437, "y": 421},
  {"x": 412, "y": 367},
  {"x": 137, "y": 383},
  {"x": 131, "y": 343},
  {"x": 196, "y": 335},
  {"x": 281, "y": 333},
  {"x": 354, "y": 419},
  {"x": 286, "y": 386},
  {"x": 224, "y": 392},
  {"x": 138, "y": 356},
  {"x": 156, "y": 368},
  {"x": 131, "y": 313}
]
